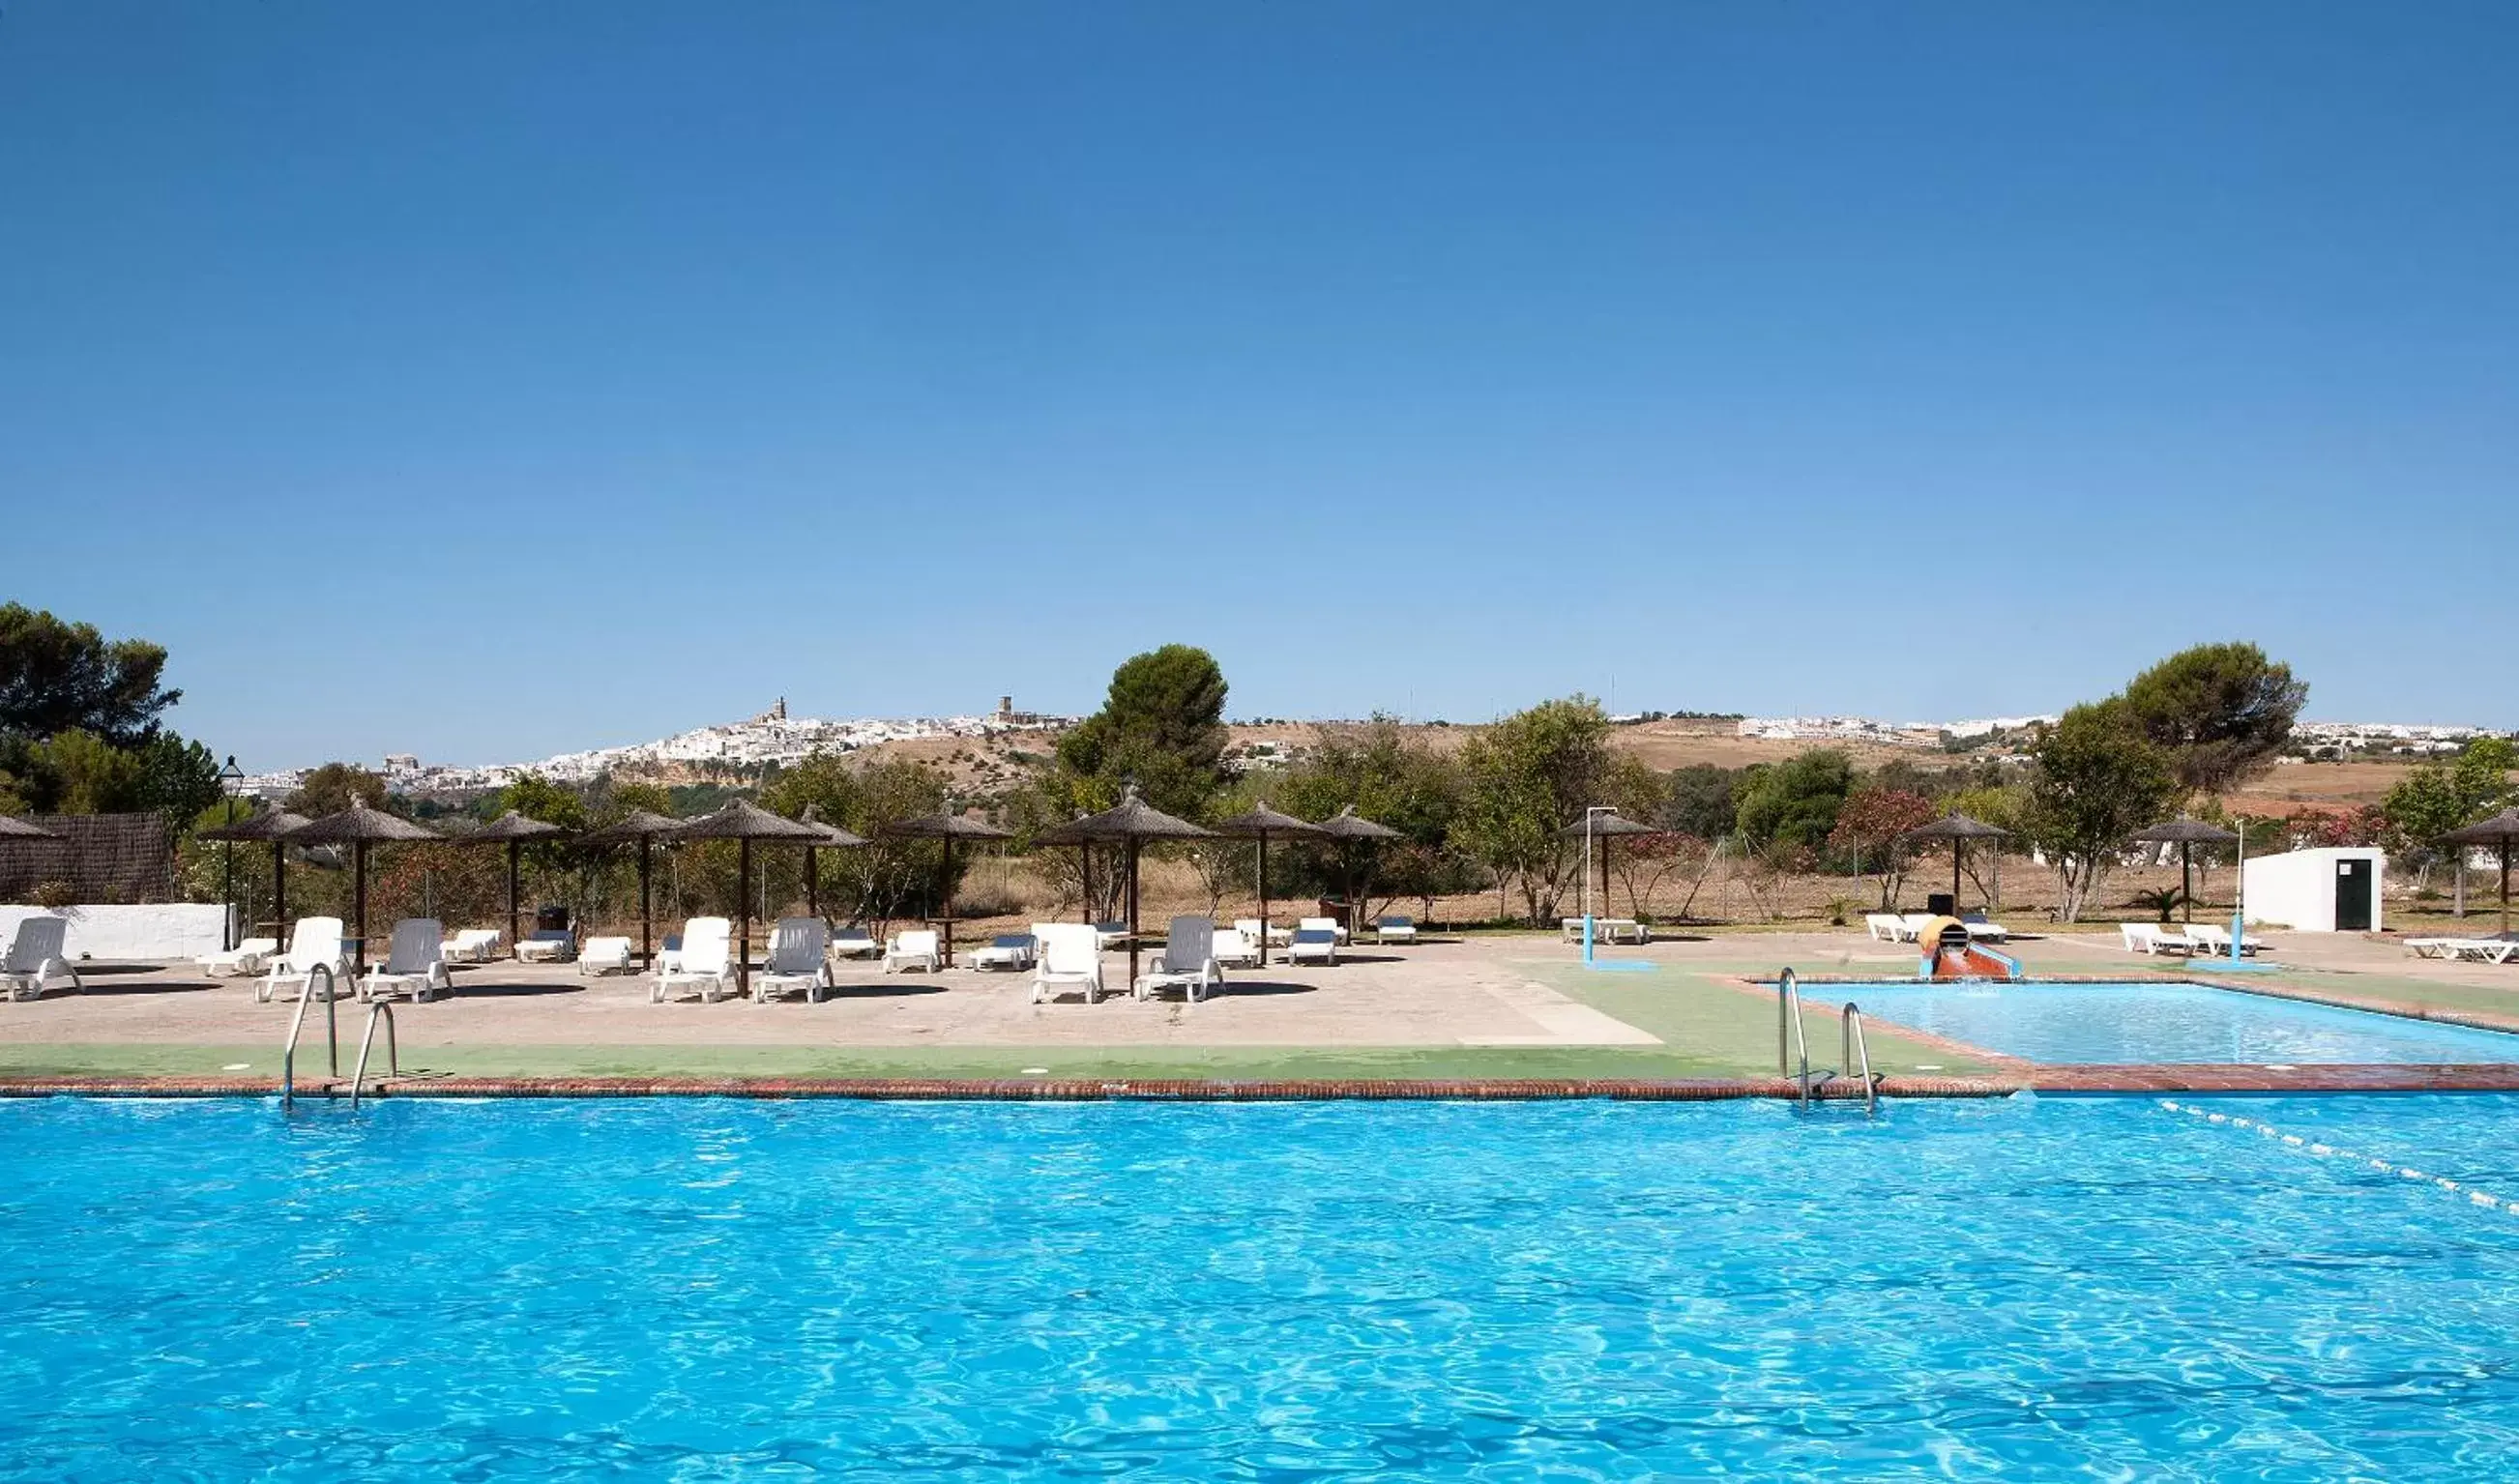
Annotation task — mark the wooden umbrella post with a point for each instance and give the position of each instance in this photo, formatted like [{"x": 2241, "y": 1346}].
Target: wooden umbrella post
[
  {"x": 743, "y": 916},
  {"x": 515, "y": 854},
  {"x": 646, "y": 913},
  {"x": 1264, "y": 898},
  {"x": 1133, "y": 912},
  {"x": 949, "y": 901},
  {"x": 359, "y": 869}
]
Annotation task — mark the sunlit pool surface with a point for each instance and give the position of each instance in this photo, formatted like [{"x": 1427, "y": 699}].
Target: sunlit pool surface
[
  {"x": 2085, "y": 1023},
  {"x": 704, "y": 1290}
]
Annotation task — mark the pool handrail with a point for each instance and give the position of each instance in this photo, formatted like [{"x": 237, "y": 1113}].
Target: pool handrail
[
  {"x": 298, "y": 1022},
  {"x": 368, "y": 1043},
  {"x": 1853, "y": 1052},
  {"x": 1790, "y": 1036}
]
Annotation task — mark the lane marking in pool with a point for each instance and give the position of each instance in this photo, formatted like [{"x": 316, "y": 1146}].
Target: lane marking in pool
[{"x": 2330, "y": 1152}]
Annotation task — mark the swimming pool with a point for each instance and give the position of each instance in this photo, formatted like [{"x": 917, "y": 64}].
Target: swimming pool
[
  {"x": 2083, "y": 1023},
  {"x": 729, "y": 1288}
]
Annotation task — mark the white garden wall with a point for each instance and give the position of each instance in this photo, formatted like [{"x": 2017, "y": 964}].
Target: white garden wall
[{"x": 163, "y": 930}]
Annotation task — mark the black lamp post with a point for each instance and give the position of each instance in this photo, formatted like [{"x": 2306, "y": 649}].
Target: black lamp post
[{"x": 231, "y": 780}]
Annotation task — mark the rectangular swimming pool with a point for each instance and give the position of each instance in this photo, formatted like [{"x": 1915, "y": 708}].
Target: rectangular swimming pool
[
  {"x": 713, "y": 1289},
  {"x": 2068, "y": 1025}
]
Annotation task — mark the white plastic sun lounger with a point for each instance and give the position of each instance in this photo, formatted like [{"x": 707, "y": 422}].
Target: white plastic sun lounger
[
  {"x": 603, "y": 955},
  {"x": 1621, "y": 930},
  {"x": 2430, "y": 947},
  {"x": 1336, "y": 929},
  {"x": 2215, "y": 941},
  {"x": 705, "y": 961},
  {"x": 1234, "y": 950},
  {"x": 1885, "y": 927},
  {"x": 38, "y": 960},
  {"x": 244, "y": 961},
  {"x": 918, "y": 947},
  {"x": 312, "y": 943},
  {"x": 1111, "y": 935},
  {"x": 1188, "y": 962},
  {"x": 855, "y": 942},
  {"x": 797, "y": 960},
  {"x": 473, "y": 945},
  {"x": 1394, "y": 930},
  {"x": 415, "y": 964},
  {"x": 1071, "y": 958},
  {"x": 1317, "y": 945},
  {"x": 1249, "y": 927},
  {"x": 552, "y": 946},
  {"x": 1983, "y": 929},
  {"x": 2482, "y": 950},
  {"x": 1007, "y": 950}
]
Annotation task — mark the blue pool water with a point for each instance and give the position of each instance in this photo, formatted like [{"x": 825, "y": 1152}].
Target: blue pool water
[
  {"x": 2081, "y": 1023},
  {"x": 730, "y": 1290}
]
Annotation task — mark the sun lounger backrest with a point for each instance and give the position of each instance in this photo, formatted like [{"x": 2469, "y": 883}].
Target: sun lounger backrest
[
  {"x": 38, "y": 938},
  {"x": 916, "y": 940},
  {"x": 1317, "y": 935},
  {"x": 418, "y": 943},
  {"x": 797, "y": 943},
  {"x": 1011, "y": 941},
  {"x": 1068, "y": 948},
  {"x": 1330, "y": 924},
  {"x": 314, "y": 940},
  {"x": 708, "y": 944},
  {"x": 1189, "y": 943}
]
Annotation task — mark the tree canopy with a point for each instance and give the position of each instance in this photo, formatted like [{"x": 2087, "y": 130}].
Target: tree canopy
[
  {"x": 1794, "y": 803},
  {"x": 1162, "y": 725},
  {"x": 1526, "y": 777},
  {"x": 2219, "y": 712},
  {"x": 2099, "y": 779},
  {"x": 58, "y": 676}
]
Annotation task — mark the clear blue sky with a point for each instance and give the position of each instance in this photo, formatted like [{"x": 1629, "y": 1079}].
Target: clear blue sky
[{"x": 487, "y": 380}]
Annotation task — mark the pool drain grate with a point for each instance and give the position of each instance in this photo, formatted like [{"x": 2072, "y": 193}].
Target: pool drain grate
[{"x": 2332, "y": 1151}]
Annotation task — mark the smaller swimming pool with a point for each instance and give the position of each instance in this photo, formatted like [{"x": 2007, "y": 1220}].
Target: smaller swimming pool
[{"x": 2068, "y": 1025}]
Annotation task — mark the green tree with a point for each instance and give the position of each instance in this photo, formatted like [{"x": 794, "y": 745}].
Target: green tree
[
  {"x": 329, "y": 789},
  {"x": 1868, "y": 830},
  {"x": 1793, "y": 806},
  {"x": 1162, "y": 727},
  {"x": 1702, "y": 801},
  {"x": 1390, "y": 778},
  {"x": 1524, "y": 779},
  {"x": 2220, "y": 712},
  {"x": 57, "y": 677},
  {"x": 79, "y": 773},
  {"x": 2440, "y": 796},
  {"x": 2099, "y": 779}
]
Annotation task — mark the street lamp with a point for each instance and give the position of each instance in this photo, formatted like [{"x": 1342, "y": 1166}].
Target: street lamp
[{"x": 231, "y": 783}]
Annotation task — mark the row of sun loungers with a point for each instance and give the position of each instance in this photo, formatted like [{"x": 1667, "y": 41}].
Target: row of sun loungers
[
  {"x": 1908, "y": 927},
  {"x": 2192, "y": 940},
  {"x": 2503, "y": 949},
  {"x": 1606, "y": 929}
]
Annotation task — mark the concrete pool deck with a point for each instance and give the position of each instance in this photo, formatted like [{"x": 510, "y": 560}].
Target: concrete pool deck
[{"x": 1489, "y": 1015}]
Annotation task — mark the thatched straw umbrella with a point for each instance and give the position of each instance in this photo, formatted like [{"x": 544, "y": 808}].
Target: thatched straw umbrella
[
  {"x": 743, "y": 822},
  {"x": 1959, "y": 829},
  {"x": 13, "y": 828},
  {"x": 1259, "y": 823},
  {"x": 358, "y": 827},
  {"x": 643, "y": 826},
  {"x": 2186, "y": 834},
  {"x": 1349, "y": 831},
  {"x": 270, "y": 825},
  {"x": 512, "y": 829},
  {"x": 1132, "y": 821},
  {"x": 1601, "y": 826},
  {"x": 948, "y": 827},
  {"x": 833, "y": 838},
  {"x": 2498, "y": 830}
]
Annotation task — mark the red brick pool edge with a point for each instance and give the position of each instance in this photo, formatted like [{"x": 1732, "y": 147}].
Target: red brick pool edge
[{"x": 2199, "y": 1078}]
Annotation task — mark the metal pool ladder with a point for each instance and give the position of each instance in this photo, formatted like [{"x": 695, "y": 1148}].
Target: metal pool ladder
[
  {"x": 298, "y": 1022},
  {"x": 333, "y": 1040},
  {"x": 1793, "y": 1048}
]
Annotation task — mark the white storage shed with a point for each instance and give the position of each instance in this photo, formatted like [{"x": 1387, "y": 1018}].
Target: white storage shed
[{"x": 2324, "y": 890}]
